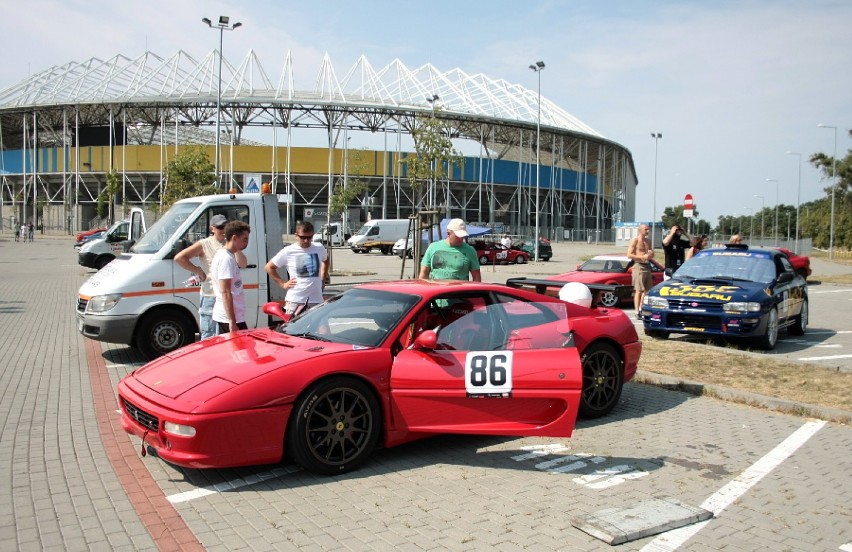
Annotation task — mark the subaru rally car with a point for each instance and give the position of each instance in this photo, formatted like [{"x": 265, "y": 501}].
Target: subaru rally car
[{"x": 735, "y": 292}]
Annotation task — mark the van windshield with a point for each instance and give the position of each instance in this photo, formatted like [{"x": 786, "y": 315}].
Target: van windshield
[
  {"x": 363, "y": 230},
  {"x": 161, "y": 231}
]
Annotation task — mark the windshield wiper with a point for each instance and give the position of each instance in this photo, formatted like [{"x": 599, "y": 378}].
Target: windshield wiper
[
  {"x": 309, "y": 335},
  {"x": 731, "y": 278}
]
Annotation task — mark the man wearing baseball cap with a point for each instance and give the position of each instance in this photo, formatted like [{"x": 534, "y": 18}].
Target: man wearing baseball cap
[{"x": 452, "y": 258}]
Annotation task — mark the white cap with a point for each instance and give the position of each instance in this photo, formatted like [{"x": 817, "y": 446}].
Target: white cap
[
  {"x": 577, "y": 293},
  {"x": 458, "y": 227}
]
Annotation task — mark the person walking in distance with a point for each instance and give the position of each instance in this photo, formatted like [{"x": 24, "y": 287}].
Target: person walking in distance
[
  {"x": 307, "y": 266},
  {"x": 205, "y": 249},
  {"x": 640, "y": 252},
  {"x": 451, "y": 258},
  {"x": 229, "y": 311}
]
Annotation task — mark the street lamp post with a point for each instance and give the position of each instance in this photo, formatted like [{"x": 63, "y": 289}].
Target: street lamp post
[
  {"x": 833, "y": 186},
  {"x": 762, "y": 215},
  {"x": 433, "y": 185},
  {"x": 223, "y": 25},
  {"x": 776, "y": 208},
  {"x": 537, "y": 67},
  {"x": 798, "y": 200},
  {"x": 656, "y": 136}
]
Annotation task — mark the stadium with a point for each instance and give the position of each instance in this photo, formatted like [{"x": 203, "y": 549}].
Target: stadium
[{"x": 63, "y": 129}]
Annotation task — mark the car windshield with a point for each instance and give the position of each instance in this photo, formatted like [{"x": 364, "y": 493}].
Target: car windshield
[
  {"x": 162, "y": 230},
  {"x": 357, "y": 316},
  {"x": 728, "y": 265}
]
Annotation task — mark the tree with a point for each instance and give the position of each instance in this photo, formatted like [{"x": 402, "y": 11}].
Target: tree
[
  {"x": 343, "y": 196},
  {"x": 189, "y": 174},
  {"x": 674, "y": 215},
  {"x": 433, "y": 151},
  {"x": 107, "y": 195}
]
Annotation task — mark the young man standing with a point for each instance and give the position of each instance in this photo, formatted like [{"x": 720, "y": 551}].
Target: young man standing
[
  {"x": 205, "y": 249},
  {"x": 675, "y": 244},
  {"x": 229, "y": 311},
  {"x": 452, "y": 258},
  {"x": 640, "y": 252},
  {"x": 307, "y": 266}
]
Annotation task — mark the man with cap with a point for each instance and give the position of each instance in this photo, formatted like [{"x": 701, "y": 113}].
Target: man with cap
[
  {"x": 205, "y": 249},
  {"x": 452, "y": 258}
]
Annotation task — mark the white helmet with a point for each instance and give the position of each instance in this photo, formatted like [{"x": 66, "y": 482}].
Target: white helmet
[{"x": 577, "y": 293}]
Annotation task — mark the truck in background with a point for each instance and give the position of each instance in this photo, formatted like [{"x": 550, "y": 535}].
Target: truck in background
[
  {"x": 140, "y": 299},
  {"x": 379, "y": 234},
  {"x": 334, "y": 234},
  {"x": 100, "y": 252}
]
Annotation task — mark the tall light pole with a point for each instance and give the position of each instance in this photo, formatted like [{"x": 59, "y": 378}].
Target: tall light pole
[
  {"x": 776, "y": 208},
  {"x": 762, "y": 216},
  {"x": 537, "y": 67},
  {"x": 433, "y": 185},
  {"x": 833, "y": 186},
  {"x": 798, "y": 199},
  {"x": 656, "y": 136},
  {"x": 223, "y": 25}
]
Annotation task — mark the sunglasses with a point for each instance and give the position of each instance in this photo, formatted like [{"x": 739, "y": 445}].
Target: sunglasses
[{"x": 305, "y": 238}]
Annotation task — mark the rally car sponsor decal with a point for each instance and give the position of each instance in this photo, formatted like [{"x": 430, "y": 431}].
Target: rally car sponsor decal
[{"x": 718, "y": 293}]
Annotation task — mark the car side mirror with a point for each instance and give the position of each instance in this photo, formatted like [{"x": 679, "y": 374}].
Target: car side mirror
[
  {"x": 668, "y": 272},
  {"x": 275, "y": 309},
  {"x": 785, "y": 277},
  {"x": 427, "y": 340}
]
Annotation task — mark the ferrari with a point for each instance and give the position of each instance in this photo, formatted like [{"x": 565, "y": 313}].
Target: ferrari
[
  {"x": 609, "y": 269},
  {"x": 382, "y": 364}
]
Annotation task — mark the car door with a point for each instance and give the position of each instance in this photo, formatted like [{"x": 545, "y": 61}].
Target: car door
[
  {"x": 792, "y": 292},
  {"x": 492, "y": 370}
]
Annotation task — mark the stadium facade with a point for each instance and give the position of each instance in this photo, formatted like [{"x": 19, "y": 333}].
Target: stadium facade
[{"x": 62, "y": 130}]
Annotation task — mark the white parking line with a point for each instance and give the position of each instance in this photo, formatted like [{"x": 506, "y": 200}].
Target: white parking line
[
  {"x": 846, "y": 547},
  {"x": 230, "y": 485},
  {"x": 829, "y": 291},
  {"x": 724, "y": 497},
  {"x": 831, "y": 357}
]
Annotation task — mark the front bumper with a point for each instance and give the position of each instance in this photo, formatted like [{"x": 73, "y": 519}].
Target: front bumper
[
  {"x": 87, "y": 259},
  {"x": 109, "y": 329},
  {"x": 718, "y": 324}
]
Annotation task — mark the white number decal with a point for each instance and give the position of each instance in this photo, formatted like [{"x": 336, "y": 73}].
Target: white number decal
[
  {"x": 502, "y": 254},
  {"x": 488, "y": 372}
]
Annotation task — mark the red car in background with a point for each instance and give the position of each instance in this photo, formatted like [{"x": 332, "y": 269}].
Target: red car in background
[
  {"x": 497, "y": 253},
  {"x": 382, "y": 364},
  {"x": 801, "y": 263},
  {"x": 81, "y": 236},
  {"x": 610, "y": 270}
]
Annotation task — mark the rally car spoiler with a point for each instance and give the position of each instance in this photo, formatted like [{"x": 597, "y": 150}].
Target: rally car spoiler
[{"x": 552, "y": 287}]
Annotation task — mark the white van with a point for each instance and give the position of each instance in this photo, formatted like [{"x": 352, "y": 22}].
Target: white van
[
  {"x": 379, "y": 234},
  {"x": 115, "y": 241},
  {"x": 333, "y": 234}
]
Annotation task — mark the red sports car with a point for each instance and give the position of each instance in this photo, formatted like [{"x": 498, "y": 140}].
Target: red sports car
[
  {"x": 382, "y": 363},
  {"x": 497, "y": 253},
  {"x": 612, "y": 270},
  {"x": 801, "y": 263}
]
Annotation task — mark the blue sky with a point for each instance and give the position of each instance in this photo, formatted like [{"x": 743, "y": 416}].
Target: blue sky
[{"x": 731, "y": 86}]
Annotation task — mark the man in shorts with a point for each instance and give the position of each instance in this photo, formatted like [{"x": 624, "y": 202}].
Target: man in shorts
[{"x": 640, "y": 252}]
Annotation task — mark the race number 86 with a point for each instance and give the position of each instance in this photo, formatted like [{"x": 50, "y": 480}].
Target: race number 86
[{"x": 487, "y": 372}]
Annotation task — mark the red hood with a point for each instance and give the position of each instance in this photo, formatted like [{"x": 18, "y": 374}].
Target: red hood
[
  {"x": 227, "y": 361},
  {"x": 588, "y": 277}
]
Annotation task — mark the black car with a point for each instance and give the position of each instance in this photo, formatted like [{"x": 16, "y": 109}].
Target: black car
[{"x": 735, "y": 292}]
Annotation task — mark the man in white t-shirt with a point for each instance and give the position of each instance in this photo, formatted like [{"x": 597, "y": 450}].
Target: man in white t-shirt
[
  {"x": 307, "y": 266},
  {"x": 229, "y": 311},
  {"x": 506, "y": 241}
]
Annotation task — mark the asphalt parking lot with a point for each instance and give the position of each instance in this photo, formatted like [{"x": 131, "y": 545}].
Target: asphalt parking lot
[{"x": 773, "y": 481}]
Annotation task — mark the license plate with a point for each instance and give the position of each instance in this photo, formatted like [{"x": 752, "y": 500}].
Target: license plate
[{"x": 690, "y": 329}]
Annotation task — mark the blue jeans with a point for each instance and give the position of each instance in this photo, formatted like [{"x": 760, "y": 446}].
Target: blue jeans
[{"x": 205, "y": 313}]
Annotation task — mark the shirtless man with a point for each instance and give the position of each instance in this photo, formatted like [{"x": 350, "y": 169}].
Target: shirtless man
[{"x": 640, "y": 252}]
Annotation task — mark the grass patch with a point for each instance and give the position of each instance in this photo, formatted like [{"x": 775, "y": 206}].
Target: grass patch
[{"x": 764, "y": 375}]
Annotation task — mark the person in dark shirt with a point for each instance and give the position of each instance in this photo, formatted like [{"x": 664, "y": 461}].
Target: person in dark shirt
[{"x": 675, "y": 244}]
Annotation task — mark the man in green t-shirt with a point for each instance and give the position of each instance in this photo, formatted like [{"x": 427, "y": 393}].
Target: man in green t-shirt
[{"x": 452, "y": 258}]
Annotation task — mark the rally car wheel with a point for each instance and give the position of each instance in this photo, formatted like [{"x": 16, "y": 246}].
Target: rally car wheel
[
  {"x": 520, "y": 259},
  {"x": 162, "y": 332},
  {"x": 602, "y": 380},
  {"x": 770, "y": 336},
  {"x": 608, "y": 299},
  {"x": 334, "y": 426},
  {"x": 800, "y": 323}
]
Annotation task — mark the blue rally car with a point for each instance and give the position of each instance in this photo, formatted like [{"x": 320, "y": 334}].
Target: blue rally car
[{"x": 735, "y": 292}]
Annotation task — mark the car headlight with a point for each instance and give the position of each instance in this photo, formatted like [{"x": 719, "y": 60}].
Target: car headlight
[
  {"x": 741, "y": 307},
  {"x": 655, "y": 302},
  {"x": 103, "y": 303},
  {"x": 179, "y": 429}
]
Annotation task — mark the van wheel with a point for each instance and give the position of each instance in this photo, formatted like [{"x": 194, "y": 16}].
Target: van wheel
[
  {"x": 162, "y": 332},
  {"x": 385, "y": 250},
  {"x": 102, "y": 261}
]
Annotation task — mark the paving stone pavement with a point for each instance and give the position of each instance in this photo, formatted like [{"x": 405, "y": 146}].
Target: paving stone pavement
[{"x": 73, "y": 483}]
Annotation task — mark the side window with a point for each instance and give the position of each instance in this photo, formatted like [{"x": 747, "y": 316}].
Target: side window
[
  {"x": 200, "y": 229},
  {"x": 785, "y": 265},
  {"x": 121, "y": 232},
  {"x": 374, "y": 231}
]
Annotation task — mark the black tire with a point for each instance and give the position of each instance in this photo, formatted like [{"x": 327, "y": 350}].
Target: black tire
[
  {"x": 770, "y": 335},
  {"x": 603, "y": 378},
  {"x": 657, "y": 334},
  {"x": 520, "y": 259},
  {"x": 800, "y": 323},
  {"x": 102, "y": 261},
  {"x": 483, "y": 260},
  {"x": 162, "y": 332},
  {"x": 386, "y": 250},
  {"x": 609, "y": 299},
  {"x": 334, "y": 426}
]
